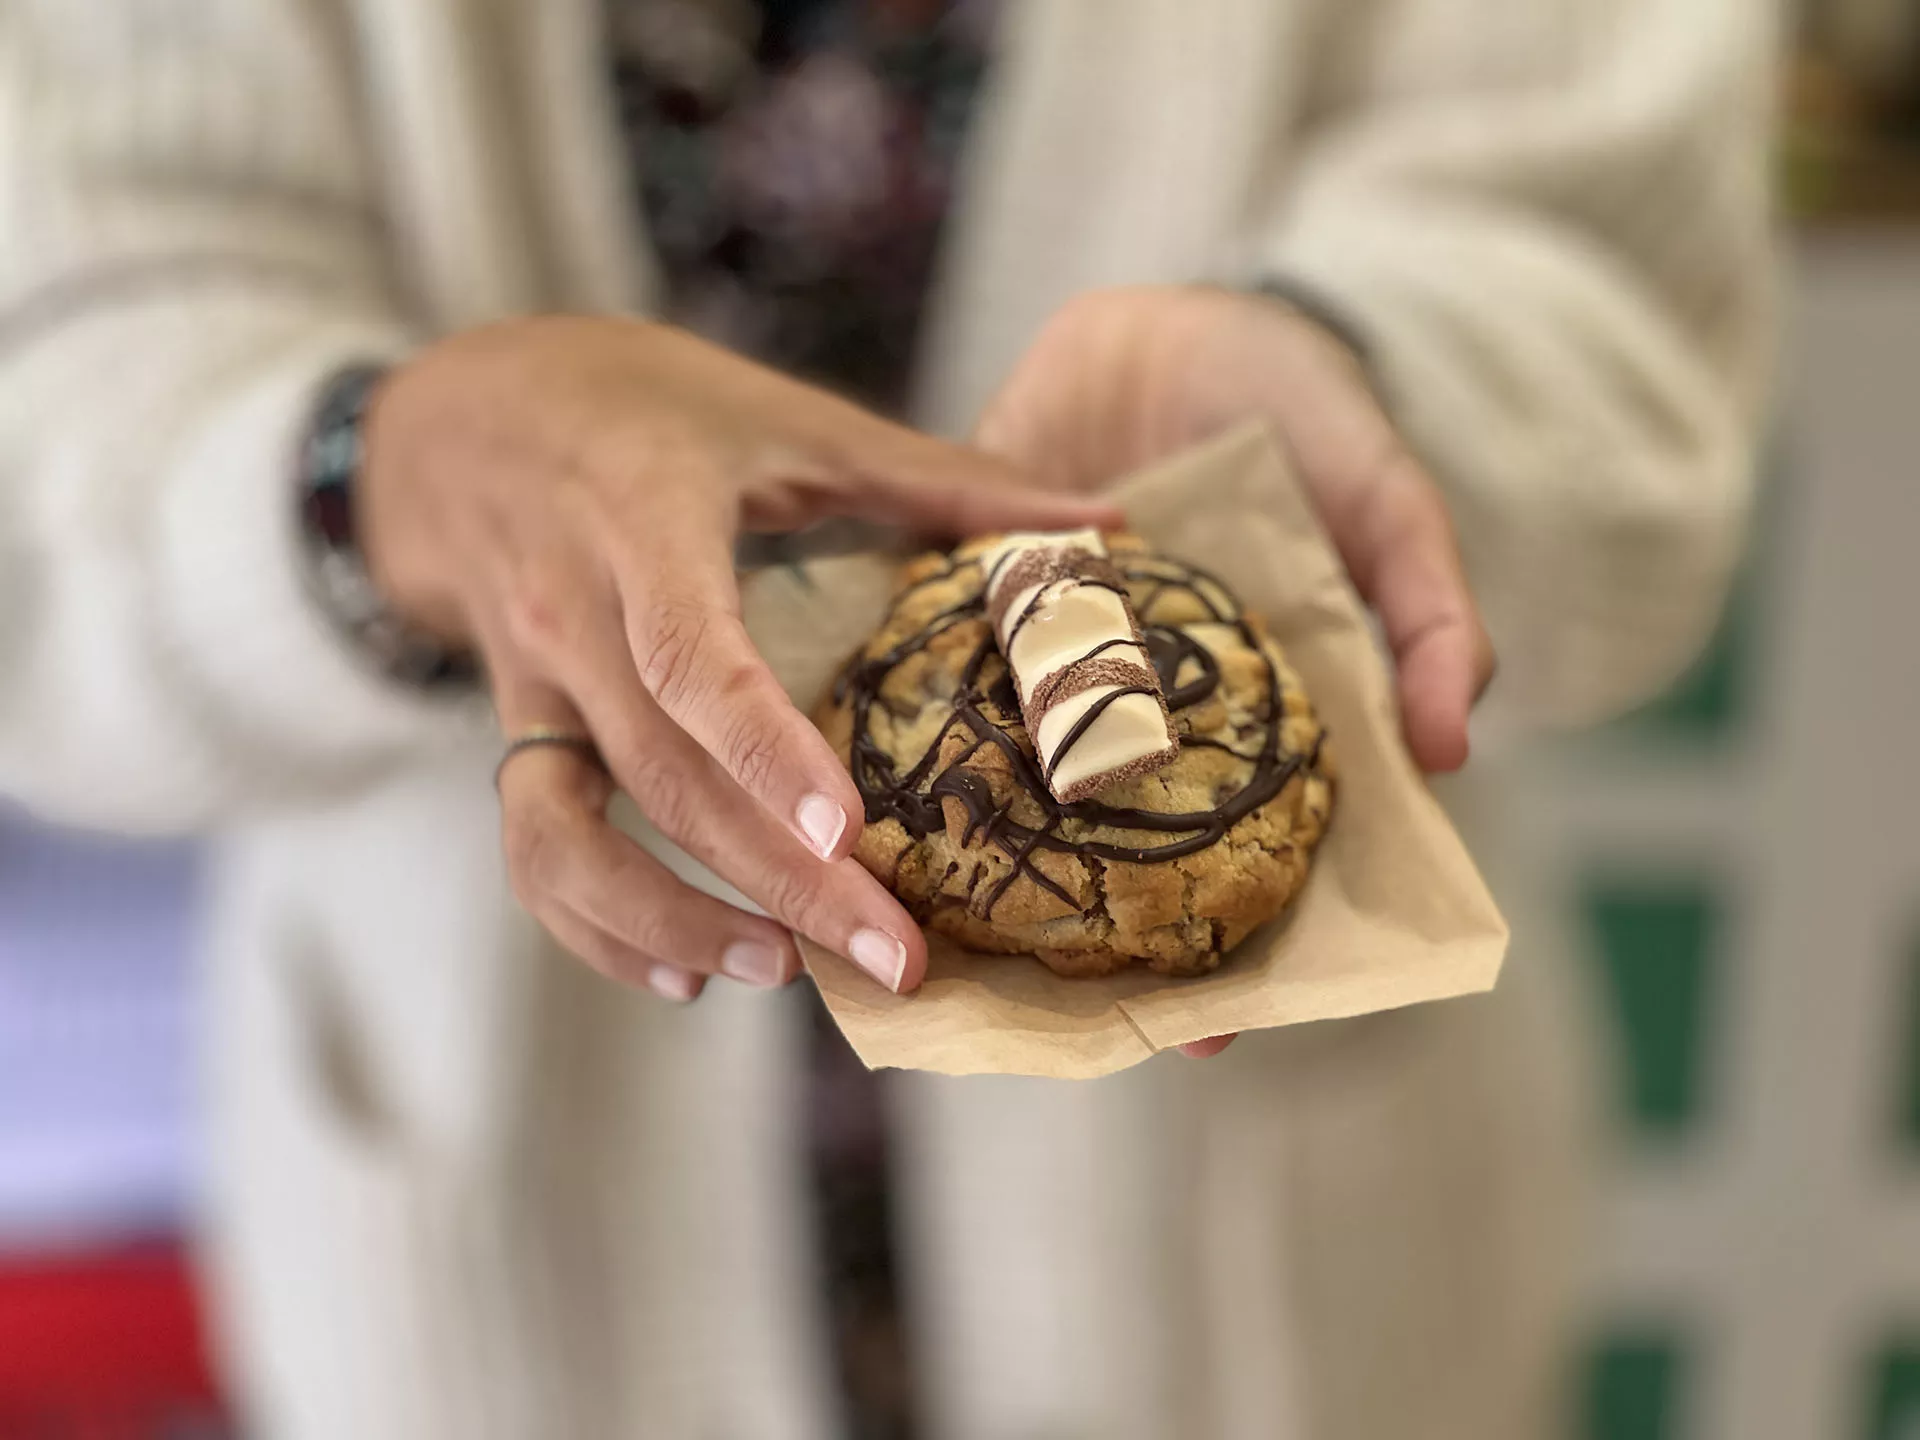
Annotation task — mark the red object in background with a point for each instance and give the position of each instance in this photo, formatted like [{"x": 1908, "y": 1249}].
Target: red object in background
[{"x": 104, "y": 1346}]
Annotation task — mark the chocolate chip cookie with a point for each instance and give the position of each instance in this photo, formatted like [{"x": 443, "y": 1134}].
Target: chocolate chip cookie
[{"x": 1171, "y": 867}]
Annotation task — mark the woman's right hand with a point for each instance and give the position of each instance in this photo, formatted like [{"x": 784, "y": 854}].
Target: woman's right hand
[{"x": 563, "y": 495}]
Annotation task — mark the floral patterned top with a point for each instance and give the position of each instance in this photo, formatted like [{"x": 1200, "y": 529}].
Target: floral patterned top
[{"x": 794, "y": 160}]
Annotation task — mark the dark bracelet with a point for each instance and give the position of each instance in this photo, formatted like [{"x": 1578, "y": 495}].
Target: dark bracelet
[
  {"x": 1323, "y": 312},
  {"x": 330, "y": 464}
]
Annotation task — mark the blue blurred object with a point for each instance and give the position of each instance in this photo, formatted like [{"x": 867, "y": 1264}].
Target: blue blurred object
[{"x": 96, "y": 1020}]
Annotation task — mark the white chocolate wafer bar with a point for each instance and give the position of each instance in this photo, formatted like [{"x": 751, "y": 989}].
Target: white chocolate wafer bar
[{"x": 1088, "y": 691}]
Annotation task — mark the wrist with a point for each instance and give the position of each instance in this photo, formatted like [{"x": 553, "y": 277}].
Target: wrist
[
  {"x": 1326, "y": 316},
  {"x": 355, "y": 579},
  {"x": 403, "y": 553}
]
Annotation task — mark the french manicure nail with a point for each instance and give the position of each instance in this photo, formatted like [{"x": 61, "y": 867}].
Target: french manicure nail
[
  {"x": 752, "y": 963},
  {"x": 880, "y": 955},
  {"x": 670, "y": 982},
  {"x": 822, "y": 821}
]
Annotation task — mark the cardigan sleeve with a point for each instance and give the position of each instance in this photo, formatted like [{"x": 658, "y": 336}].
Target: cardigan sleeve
[
  {"x": 1551, "y": 223},
  {"x": 192, "y": 248}
]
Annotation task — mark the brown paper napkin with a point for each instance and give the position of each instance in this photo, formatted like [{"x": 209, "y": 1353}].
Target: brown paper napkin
[{"x": 1394, "y": 912}]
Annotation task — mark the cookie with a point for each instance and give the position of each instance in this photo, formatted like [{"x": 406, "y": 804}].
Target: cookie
[{"x": 1170, "y": 868}]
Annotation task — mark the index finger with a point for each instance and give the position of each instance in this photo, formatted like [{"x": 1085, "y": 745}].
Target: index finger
[
  {"x": 899, "y": 474},
  {"x": 693, "y": 654}
]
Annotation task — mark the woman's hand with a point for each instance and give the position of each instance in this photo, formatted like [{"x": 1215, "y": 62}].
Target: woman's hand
[
  {"x": 1122, "y": 377},
  {"x": 563, "y": 495}
]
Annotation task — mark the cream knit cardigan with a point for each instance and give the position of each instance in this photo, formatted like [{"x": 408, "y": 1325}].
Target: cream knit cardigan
[{"x": 461, "y": 1190}]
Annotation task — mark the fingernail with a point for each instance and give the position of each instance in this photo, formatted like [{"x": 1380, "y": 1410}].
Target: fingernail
[
  {"x": 822, "y": 821},
  {"x": 752, "y": 963},
  {"x": 880, "y": 955},
  {"x": 670, "y": 982}
]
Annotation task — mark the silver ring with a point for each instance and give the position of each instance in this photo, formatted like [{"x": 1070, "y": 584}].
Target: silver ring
[{"x": 548, "y": 736}]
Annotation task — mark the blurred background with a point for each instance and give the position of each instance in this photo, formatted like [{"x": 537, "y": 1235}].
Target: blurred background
[{"x": 1735, "y": 872}]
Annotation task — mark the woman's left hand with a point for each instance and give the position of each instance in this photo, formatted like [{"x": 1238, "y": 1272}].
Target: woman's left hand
[{"x": 1120, "y": 378}]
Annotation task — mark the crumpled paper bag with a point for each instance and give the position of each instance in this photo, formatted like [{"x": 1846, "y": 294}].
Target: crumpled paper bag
[{"x": 1393, "y": 913}]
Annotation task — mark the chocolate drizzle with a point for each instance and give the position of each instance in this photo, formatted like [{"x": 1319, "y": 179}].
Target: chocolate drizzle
[
  {"x": 1085, "y": 723},
  {"x": 1102, "y": 648},
  {"x": 1041, "y": 596},
  {"x": 1169, "y": 649},
  {"x": 1083, "y": 675},
  {"x": 914, "y": 797}
]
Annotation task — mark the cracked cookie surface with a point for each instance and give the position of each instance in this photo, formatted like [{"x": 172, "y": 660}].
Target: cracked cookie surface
[{"x": 1171, "y": 868}]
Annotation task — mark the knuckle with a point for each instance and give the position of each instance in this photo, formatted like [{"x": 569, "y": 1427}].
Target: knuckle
[
  {"x": 791, "y": 896},
  {"x": 608, "y": 957},
  {"x": 738, "y": 679},
  {"x": 663, "y": 795},
  {"x": 538, "y": 619},
  {"x": 533, "y": 856},
  {"x": 651, "y": 930},
  {"x": 751, "y": 753},
  {"x": 661, "y": 918},
  {"x": 672, "y": 659},
  {"x": 661, "y": 930},
  {"x": 629, "y": 920},
  {"x": 628, "y": 761},
  {"x": 626, "y": 904},
  {"x": 623, "y": 746}
]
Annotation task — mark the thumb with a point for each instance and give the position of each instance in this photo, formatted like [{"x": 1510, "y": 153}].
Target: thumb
[{"x": 927, "y": 484}]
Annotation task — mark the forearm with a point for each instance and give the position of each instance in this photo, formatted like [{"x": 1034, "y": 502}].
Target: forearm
[
  {"x": 165, "y": 662},
  {"x": 173, "y": 296}
]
